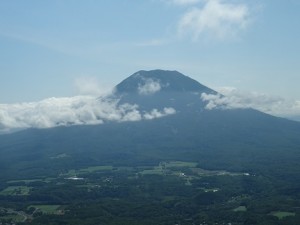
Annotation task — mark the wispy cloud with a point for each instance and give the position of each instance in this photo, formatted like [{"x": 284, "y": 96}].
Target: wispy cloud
[
  {"x": 149, "y": 87},
  {"x": 233, "y": 98},
  {"x": 157, "y": 114},
  {"x": 217, "y": 19},
  {"x": 79, "y": 110},
  {"x": 183, "y": 2},
  {"x": 50, "y": 43},
  {"x": 88, "y": 85}
]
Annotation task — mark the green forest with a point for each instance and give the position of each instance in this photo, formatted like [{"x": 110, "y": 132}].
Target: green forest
[{"x": 168, "y": 192}]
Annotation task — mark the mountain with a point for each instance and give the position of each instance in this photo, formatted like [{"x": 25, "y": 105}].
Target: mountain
[
  {"x": 159, "y": 89},
  {"x": 170, "y": 81},
  {"x": 170, "y": 158},
  {"x": 228, "y": 139}
]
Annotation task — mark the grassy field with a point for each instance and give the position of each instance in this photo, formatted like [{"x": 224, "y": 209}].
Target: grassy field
[
  {"x": 280, "y": 215},
  {"x": 91, "y": 169},
  {"x": 180, "y": 164},
  {"x": 95, "y": 169},
  {"x": 71, "y": 173},
  {"x": 25, "y": 181},
  {"x": 240, "y": 209},
  {"x": 14, "y": 217},
  {"x": 154, "y": 171},
  {"x": 172, "y": 167},
  {"x": 164, "y": 168},
  {"x": 47, "y": 209},
  {"x": 16, "y": 190}
]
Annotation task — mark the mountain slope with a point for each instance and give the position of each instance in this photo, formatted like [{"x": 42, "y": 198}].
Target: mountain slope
[{"x": 234, "y": 139}]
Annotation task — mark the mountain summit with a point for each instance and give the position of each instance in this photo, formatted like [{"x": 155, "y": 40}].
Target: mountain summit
[
  {"x": 161, "y": 88},
  {"x": 149, "y": 82}
]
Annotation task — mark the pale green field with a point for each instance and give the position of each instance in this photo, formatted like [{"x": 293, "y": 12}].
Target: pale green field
[
  {"x": 95, "y": 169},
  {"x": 16, "y": 190},
  {"x": 91, "y": 169},
  {"x": 154, "y": 171},
  {"x": 240, "y": 209},
  {"x": 14, "y": 217},
  {"x": 167, "y": 166},
  {"x": 25, "y": 181},
  {"x": 181, "y": 164},
  {"x": 71, "y": 173},
  {"x": 47, "y": 209},
  {"x": 280, "y": 215}
]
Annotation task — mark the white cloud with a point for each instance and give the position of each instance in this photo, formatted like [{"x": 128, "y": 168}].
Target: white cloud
[
  {"x": 149, "y": 87},
  {"x": 90, "y": 86},
  {"x": 157, "y": 114},
  {"x": 79, "y": 110},
  {"x": 233, "y": 98},
  {"x": 216, "y": 18}
]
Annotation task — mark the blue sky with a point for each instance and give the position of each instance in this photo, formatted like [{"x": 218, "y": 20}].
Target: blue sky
[{"x": 64, "y": 48}]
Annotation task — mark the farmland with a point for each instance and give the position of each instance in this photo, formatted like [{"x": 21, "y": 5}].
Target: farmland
[{"x": 163, "y": 188}]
